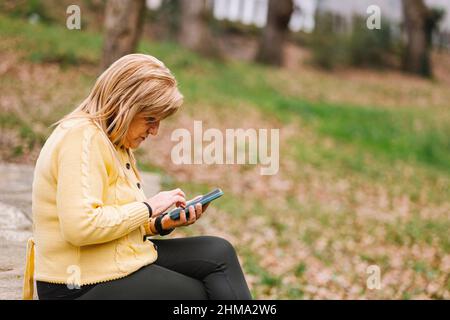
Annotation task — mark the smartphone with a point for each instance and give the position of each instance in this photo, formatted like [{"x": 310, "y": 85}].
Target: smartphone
[{"x": 205, "y": 199}]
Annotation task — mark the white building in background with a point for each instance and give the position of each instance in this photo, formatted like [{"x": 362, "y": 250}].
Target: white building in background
[
  {"x": 245, "y": 11},
  {"x": 153, "y": 4},
  {"x": 390, "y": 9},
  {"x": 254, "y": 12},
  {"x": 303, "y": 17}
]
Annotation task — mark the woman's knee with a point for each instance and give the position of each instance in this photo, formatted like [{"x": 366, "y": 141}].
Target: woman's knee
[{"x": 221, "y": 247}]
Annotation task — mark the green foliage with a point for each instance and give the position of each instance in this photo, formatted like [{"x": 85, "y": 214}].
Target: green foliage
[
  {"x": 419, "y": 230},
  {"x": 354, "y": 46},
  {"x": 25, "y": 9},
  {"x": 300, "y": 269},
  {"x": 47, "y": 43},
  {"x": 252, "y": 266},
  {"x": 221, "y": 27},
  {"x": 403, "y": 134},
  {"x": 29, "y": 138},
  {"x": 166, "y": 19},
  {"x": 400, "y": 134}
]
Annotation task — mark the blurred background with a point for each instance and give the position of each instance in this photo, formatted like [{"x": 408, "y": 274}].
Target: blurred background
[{"x": 363, "y": 115}]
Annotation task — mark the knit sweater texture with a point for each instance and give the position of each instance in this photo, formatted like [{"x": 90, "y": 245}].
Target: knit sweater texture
[{"x": 89, "y": 219}]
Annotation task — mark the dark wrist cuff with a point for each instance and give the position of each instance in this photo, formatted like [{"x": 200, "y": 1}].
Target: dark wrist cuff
[
  {"x": 150, "y": 211},
  {"x": 159, "y": 228}
]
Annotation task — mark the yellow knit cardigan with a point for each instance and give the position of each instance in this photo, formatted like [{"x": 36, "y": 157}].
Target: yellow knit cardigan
[{"x": 88, "y": 217}]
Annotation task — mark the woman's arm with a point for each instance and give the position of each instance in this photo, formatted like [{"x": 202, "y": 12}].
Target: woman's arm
[{"x": 84, "y": 161}]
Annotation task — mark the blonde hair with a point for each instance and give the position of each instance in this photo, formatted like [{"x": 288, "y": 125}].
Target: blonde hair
[{"x": 134, "y": 83}]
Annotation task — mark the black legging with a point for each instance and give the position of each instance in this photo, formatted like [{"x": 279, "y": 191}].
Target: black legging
[{"x": 198, "y": 268}]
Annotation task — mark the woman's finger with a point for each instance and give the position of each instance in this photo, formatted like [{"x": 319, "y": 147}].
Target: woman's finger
[
  {"x": 182, "y": 217},
  {"x": 198, "y": 210},
  {"x": 192, "y": 214},
  {"x": 179, "y": 200}
]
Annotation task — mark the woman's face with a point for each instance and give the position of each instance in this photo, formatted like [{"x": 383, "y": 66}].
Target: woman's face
[{"x": 141, "y": 126}]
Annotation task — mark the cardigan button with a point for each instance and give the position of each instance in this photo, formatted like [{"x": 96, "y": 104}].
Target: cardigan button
[
  {"x": 138, "y": 185},
  {"x": 128, "y": 166}
]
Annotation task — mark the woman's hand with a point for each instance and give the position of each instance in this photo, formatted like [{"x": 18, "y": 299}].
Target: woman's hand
[
  {"x": 194, "y": 214},
  {"x": 165, "y": 199}
]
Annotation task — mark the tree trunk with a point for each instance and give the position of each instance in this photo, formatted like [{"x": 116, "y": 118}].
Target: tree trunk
[
  {"x": 274, "y": 34},
  {"x": 194, "y": 32},
  {"x": 417, "y": 56},
  {"x": 123, "y": 25}
]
